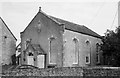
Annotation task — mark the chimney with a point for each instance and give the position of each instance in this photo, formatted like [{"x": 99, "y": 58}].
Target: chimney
[{"x": 39, "y": 9}]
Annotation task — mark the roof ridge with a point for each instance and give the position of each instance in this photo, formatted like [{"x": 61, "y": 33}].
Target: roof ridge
[
  {"x": 69, "y": 25},
  {"x": 64, "y": 20},
  {"x": 77, "y": 25},
  {"x": 50, "y": 17}
]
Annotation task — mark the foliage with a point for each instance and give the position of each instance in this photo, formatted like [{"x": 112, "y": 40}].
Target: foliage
[{"x": 111, "y": 47}]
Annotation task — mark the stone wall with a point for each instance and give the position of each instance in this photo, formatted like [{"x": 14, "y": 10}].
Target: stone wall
[
  {"x": 101, "y": 71},
  {"x": 49, "y": 37},
  {"x": 84, "y": 49},
  {"x": 7, "y": 44},
  {"x": 45, "y": 72},
  {"x": 71, "y": 72}
]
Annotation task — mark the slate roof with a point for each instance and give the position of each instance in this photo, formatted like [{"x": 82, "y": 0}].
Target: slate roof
[
  {"x": 77, "y": 28},
  {"x": 37, "y": 48},
  {"x": 8, "y": 28},
  {"x": 69, "y": 25}
]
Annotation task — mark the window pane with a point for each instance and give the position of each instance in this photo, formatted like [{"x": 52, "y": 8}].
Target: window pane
[{"x": 87, "y": 59}]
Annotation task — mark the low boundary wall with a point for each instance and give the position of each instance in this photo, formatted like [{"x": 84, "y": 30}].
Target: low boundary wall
[{"x": 65, "y": 72}]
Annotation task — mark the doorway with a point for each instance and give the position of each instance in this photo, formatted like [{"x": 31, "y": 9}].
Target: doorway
[
  {"x": 41, "y": 61},
  {"x": 30, "y": 59}
]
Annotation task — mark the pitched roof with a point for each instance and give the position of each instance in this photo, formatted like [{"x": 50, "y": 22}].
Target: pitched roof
[
  {"x": 18, "y": 45},
  {"x": 40, "y": 11},
  {"x": 69, "y": 25},
  {"x": 37, "y": 48},
  {"x": 8, "y": 28},
  {"x": 77, "y": 28}
]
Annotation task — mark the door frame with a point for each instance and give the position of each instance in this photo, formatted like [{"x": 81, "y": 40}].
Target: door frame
[
  {"x": 45, "y": 60},
  {"x": 32, "y": 60}
]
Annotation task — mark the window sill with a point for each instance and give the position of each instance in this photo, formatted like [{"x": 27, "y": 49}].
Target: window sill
[
  {"x": 51, "y": 66},
  {"x": 98, "y": 63},
  {"x": 87, "y": 63},
  {"x": 75, "y": 63},
  {"x": 52, "y": 63}
]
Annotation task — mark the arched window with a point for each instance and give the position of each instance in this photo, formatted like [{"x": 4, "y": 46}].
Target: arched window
[
  {"x": 39, "y": 26},
  {"x": 76, "y": 50},
  {"x": 24, "y": 55},
  {"x": 27, "y": 42},
  {"x": 97, "y": 53},
  {"x": 52, "y": 53},
  {"x": 87, "y": 42},
  {"x": 88, "y": 49}
]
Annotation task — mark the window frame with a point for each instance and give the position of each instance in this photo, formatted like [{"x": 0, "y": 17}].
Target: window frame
[
  {"x": 50, "y": 49},
  {"x": 88, "y": 45},
  {"x": 76, "y": 46},
  {"x": 27, "y": 42},
  {"x": 97, "y": 53},
  {"x": 88, "y": 55}
]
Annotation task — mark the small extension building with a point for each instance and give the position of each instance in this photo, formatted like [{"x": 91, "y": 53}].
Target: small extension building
[{"x": 52, "y": 42}]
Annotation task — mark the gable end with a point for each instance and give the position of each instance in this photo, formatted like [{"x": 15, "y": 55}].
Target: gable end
[{"x": 8, "y": 28}]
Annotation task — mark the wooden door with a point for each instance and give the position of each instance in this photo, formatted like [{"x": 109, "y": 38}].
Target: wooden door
[
  {"x": 41, "y": 61},
  {"x": 30, "y": 60}
]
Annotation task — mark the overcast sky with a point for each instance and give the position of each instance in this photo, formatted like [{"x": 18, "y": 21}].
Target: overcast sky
[{"x": 98, "y": 15}]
